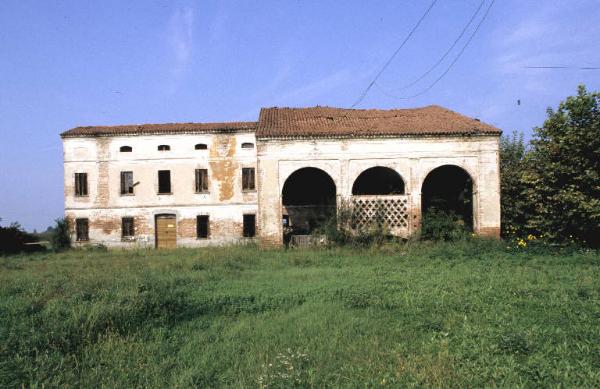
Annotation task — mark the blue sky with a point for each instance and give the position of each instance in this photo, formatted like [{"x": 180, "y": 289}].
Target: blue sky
[{"x": 70, "y": 63}]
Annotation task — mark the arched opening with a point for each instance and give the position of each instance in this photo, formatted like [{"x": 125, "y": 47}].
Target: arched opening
[
  {"x": 201, "y": 146},
  {"x": 125, "y": 149},
  {"x": 378, "y": 180},
  {"x": 309, "y": 200},
  {"x": 448, "y": 192},
  {"x": 164, "y": 148},
  {"x": 247, "y": 145}
]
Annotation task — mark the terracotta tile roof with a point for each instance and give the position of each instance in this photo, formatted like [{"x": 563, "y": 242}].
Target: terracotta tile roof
[
  {"x": 168, "y": 128},
  {"x": 317, "y": 122},
  {"x": 339, "y": 122}
]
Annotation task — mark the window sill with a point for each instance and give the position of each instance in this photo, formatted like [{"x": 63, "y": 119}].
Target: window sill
[
  {"x": 248, "y": 190},
  {"x": 165, "y": 193},
  {"x": 205, "y": 192},
  {"x": 128, "y": 239},
  {"x": 207, "y": 238},
  {"x": 127, "y": 194},
  {"x": 81, "y": 196}
]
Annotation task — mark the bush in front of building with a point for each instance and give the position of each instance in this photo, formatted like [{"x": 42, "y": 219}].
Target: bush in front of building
[
  {"x": 61, "y": 238},
  {"x": 441, "y": 225}
]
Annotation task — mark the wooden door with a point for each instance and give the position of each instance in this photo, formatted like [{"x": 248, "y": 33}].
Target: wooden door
[{"x": 166, "y": 232}]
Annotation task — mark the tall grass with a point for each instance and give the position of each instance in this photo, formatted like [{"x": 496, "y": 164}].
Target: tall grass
[{"x": 471, "y": 313}]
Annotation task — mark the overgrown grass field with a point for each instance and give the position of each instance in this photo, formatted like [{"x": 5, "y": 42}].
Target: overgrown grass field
[{"x": 445, "y": 314}]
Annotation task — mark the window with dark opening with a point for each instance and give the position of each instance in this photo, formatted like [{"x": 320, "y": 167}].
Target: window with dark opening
[
  {"x": 127, "y": 228},
  {"x": 201, "y": 180},
  {"x": 81, "y": 188},
  {"x": 81, "y": 230},
  {"x": 201, "y": 146},
  {"x": 202, "y": 226},
  {"x": 249, "y": 226},
  {"x": 126, "y": 183},
  {"x": 247, "y": 145},
  {"x": 248, "y": 178},
  {"x": 164, "y": 148},
  {"x": 164, "y": 182},
  {"x": 125, "y": 149}
]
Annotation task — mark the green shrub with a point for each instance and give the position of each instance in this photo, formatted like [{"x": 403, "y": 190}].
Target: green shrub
[
  {"x": 14, "y": 239},
  {"x": 443, "y": 225},
  {"x": 342, "y": 229},
  {"x": 61, "y": 239}
]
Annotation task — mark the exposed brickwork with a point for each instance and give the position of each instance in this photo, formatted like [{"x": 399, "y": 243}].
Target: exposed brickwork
[
  {"x": 106, "y": 225},
  {"x": 224, "y": 170},
  {"x": 186, "y": 228},
  {"x": 226, "y": 228},
  {"x": 102, "y": 187},
  {"x": 142, "y": 227}
]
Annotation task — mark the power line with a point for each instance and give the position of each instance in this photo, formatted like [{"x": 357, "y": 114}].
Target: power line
[
  {"x": 449, "y": 66},
  {"x": 443, "y": 57},
  {"x": 563, "y": 67},
  {"x": 364, "y": 94}
]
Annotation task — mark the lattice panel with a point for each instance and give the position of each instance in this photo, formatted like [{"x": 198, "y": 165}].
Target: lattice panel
[{"x": 391, "y": 212}]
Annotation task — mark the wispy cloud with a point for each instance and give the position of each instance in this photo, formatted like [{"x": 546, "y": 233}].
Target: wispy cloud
[
  {"x": 180, "y": 39},
  {"x": 548, "y": 37},
  {"x": 551, "y": 33}
]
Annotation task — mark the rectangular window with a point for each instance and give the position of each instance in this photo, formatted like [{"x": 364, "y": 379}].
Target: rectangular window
[
  {"x": 248, "y": 178},
  {"x": 81, "y": 230},
  {"x": 164, "y": 181},
  {"x": 202, "y": 226},
  {"x": 127, "y": 228},
  {"x": 81, "y": 187},
  {"x": 249, "y": 226},
  {"x": 126, "y": 183},
  {"x": 201, "y": 180}
]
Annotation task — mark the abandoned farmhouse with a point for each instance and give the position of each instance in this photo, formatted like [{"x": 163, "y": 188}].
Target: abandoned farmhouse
[{"x": 194, "y": 184}]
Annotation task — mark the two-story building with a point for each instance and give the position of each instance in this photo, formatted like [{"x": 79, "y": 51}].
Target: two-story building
[{"x": 193, "y": 184}]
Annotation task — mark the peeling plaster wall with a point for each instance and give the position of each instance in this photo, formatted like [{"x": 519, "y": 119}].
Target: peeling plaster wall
[
  {"x": 412, "y": 157},
  {"x": 343, "y": 159},
  {"x": 104, "y": 206}
]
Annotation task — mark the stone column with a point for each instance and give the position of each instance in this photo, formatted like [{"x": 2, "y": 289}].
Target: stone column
[{"x": 270, "y": 232}]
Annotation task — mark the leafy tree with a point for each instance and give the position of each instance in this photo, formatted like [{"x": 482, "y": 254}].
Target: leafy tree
[
  {"x": 515, "y": 208},
  {"x": 14, "y": 239},
  {"x": 61, "y": 238},
  {"x": 563, "y": 171}
]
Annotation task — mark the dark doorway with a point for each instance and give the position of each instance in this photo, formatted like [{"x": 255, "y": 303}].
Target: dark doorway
[
  {"x": 378, "y": 180},
  {"x": 449, "y": 189},
  {"x": 309, "y": 200}
]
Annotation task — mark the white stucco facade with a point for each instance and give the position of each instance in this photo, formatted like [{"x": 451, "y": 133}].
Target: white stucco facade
[{"x": 225, "y": 202}]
